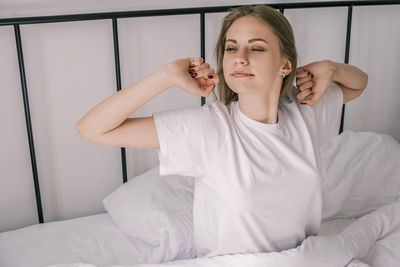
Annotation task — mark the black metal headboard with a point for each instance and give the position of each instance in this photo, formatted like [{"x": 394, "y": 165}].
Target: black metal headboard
[{"x": 114, "y": 16}]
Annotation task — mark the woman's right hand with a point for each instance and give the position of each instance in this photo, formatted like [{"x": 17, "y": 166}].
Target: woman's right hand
[{"x": 193, "y": 75}]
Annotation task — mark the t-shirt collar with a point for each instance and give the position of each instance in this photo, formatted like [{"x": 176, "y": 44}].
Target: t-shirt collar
[{"x": 256, "y": 124}]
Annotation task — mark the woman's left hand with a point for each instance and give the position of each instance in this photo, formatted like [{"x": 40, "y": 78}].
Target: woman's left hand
[{"x": 313, "y": 80}]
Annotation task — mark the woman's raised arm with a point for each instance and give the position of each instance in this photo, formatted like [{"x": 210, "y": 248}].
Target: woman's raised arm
[
  {"x": 108, "y": 123},
  {"x": 349, "y": 78}
]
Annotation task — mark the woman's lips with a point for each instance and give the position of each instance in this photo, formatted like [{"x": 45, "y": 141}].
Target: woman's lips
[{"x": 241, "y": 75}]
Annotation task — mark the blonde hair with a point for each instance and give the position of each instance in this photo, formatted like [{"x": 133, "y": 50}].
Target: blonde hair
[{"x": 282, "y": 30}]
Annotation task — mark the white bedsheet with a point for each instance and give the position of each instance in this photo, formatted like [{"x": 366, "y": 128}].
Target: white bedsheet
[
  {"x": 92, "y": 239},
  {"x": 95, "y": 239},
  {"x": 372, "y": 240}
]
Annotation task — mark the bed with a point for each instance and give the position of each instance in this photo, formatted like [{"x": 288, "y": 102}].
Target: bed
[{"x": 149, "y": 219}]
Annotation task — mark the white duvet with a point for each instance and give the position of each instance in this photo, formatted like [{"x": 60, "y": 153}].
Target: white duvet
[
  {"x": 373, "y": 240},
  {"x": 361, "y": 180}
]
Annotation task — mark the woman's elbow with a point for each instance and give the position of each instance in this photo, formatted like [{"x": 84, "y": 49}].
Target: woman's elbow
[
  {"x": 365, "y": 80},
  {"x": 83, "y": 132}
]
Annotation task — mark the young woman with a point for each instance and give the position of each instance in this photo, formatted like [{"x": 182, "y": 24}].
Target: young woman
[{"x": 254, "y": 152}]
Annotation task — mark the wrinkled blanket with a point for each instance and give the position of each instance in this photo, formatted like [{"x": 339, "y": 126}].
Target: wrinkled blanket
[{"x": 372, "y": 240}]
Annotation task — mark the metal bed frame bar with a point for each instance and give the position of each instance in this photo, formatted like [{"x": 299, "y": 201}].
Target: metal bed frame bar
[{"x": 16, "y": 22}]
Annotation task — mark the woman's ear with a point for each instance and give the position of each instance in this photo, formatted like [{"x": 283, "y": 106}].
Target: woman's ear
[{"x": 286, "y": 66}]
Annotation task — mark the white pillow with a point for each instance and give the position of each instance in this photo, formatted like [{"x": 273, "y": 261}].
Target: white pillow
[
  {"x": 158, "y": 211},
  {"x": 361, "y": 172}
]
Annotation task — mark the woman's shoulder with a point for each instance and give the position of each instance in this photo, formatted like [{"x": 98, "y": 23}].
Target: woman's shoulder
[
  {"x": 218, "y": 111},
  {"x": 216, "y": 106},
  {"x": 209, "y": 111}
]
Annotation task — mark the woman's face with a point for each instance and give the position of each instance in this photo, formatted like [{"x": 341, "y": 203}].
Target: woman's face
[{"x": 252, "y": 61}]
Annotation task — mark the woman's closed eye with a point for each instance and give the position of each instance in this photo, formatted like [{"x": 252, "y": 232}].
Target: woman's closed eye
[{"x": 252, "y": 49}]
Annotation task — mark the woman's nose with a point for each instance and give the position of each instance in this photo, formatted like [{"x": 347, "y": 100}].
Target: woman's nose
[{"x": 241, "y": 58}]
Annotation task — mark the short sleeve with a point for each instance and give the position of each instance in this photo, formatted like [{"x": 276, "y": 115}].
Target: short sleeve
[
  {"x": 328, "y": 112},
  {"x": 189, "y": 139}
]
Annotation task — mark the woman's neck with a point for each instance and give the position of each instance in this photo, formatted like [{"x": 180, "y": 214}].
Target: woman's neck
[{"x": 262, "y": 109}]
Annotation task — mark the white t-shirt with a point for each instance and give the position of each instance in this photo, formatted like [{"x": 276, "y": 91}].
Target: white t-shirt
[{"x": 257, "y": 185}]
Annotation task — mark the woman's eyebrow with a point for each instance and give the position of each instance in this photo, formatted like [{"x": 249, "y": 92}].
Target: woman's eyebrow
[
  {"x": 257, "y": 39},
  {"x": 250, "y": 41}
]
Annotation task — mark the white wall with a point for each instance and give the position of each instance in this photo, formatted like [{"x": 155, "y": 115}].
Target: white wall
[{"x": 70, "y": 68}]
